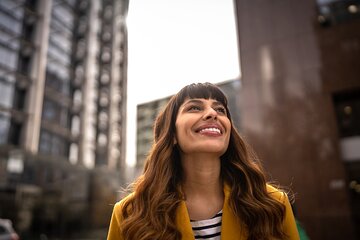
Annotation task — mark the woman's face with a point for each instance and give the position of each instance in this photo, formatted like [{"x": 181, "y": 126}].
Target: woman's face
[{"x": 202, "y": 126}]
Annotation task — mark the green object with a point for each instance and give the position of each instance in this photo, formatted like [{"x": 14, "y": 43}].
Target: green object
[{"x": 301, "y": 230}]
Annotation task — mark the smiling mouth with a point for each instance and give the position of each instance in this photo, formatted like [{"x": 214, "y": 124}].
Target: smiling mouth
[{"x": 210, "y": 130}]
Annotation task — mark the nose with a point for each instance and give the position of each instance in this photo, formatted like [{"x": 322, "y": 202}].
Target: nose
[{"x": 210, "y": 113}]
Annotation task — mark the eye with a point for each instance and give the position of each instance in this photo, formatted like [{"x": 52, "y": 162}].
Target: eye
[
  {"x": 194, "y": 108},
  {"x": 221, "y": 110}
]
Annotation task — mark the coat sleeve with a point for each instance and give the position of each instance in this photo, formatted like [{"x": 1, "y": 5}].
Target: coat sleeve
[
  {"x": 114, "y": 232},
  {"x": 289, "y": 221},
  {"x": 289, "y": 224}
]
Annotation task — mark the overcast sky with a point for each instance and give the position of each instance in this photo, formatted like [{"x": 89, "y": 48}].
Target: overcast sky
[{"x": 172, "y": 43}]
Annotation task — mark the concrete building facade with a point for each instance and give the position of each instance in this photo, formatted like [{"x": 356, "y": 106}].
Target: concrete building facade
[{"x": 63, "y": 76}]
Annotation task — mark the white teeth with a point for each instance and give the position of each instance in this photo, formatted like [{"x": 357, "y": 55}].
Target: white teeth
[{"x": 210, "y": 130}]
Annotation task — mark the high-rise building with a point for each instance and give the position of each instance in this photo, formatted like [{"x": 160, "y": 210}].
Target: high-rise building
[
  {"x": 146, "y": 115},
  {"x": 63, "y": 68},
  {"x": 300, "y": 95}
]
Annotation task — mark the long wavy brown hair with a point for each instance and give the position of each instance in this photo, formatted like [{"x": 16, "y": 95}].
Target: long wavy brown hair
[{"x": 149, "y": 213}]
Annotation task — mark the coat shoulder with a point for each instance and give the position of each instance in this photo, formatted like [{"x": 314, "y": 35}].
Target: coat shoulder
[
  {"x": 120, "y": 204},
  {"x": 276, "y": 193}
]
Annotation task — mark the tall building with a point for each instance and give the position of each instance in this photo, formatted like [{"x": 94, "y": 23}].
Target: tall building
[
  {"x": 146, "y": 115},
  {"x": 300, "y": 63},
  {"x": 63, "y": 68},
  {"x": 147, "y": 112}
]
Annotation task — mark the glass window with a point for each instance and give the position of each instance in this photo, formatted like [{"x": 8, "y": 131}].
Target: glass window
[
  {"x": 12, "y": 6},
  {"x": 51, "y": 110},
  {"x": 66, "y": 87},
  {"x": 56, "y": 54},
  {"x": 6, "y": 94},
  {"x": 9, "y": 24},
  {"x": 57, "y": 146},
  {"x": 83, "y": 4},
  {"x": 57, "y": 28},
  {"x": 64, "y": 15},
  {"x": 71, "y": 2},
  {"x": 55, "y": 113},
  {"x": 52, "y": 80},
  {"x": 45, "y": 142},
  {"x": 4, "y": 128},
  {"x": 64, "y": 117},
  {"x": 8, "y": 57},
  {"x": 53, "y": 144},
  {"x": 8, "y": 40},
  {"x": 82, "y": 26},
  {"x": 6, "y": 76},
  {"x": 59, "y": 73},
  {"x": 61, "y": 42}
]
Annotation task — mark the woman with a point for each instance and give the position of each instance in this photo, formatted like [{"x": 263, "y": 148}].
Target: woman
[{"x": 200, "y": 180}]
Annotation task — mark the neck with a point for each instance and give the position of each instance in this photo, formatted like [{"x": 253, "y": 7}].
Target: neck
[
  {"x": 202, "y": 186},
  {"x": 201, "y": 175}
]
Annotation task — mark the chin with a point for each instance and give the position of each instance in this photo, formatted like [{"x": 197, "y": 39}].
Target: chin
[
  {"x": 205, "y": 148},
  {"x": 213, "y": 150}
]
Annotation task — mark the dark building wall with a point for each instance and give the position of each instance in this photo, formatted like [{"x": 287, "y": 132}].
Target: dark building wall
[{"x": 292, "y": 66}]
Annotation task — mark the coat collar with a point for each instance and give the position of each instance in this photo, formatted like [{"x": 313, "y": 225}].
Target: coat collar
[{"x": 231, "y": 228}]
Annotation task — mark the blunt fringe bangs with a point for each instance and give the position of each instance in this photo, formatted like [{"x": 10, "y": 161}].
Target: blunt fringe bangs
[{"x": 201, "y": 90}]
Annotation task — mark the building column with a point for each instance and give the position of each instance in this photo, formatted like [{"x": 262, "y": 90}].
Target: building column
[{"x": 35, "y": 96}]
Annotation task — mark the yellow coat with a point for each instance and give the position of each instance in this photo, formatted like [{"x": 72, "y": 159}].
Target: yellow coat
[{"x": 231, "y": 228}]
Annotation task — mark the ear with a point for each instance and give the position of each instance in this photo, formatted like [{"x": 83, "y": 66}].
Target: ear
[{"x": 175, "y": 141}]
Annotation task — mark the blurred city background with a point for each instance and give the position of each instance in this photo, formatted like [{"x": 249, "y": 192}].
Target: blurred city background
[{"x": 64, "y": 125}]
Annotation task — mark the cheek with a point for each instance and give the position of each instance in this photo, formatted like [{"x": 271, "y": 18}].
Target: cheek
[
  {"x": 181, "y": 125},
  {"x": 179, "y": 131},
  {"x": 182, "y": 134},
  {"x": 227, "y": 124}
]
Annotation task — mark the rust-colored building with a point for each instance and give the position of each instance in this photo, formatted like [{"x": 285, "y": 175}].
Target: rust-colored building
[{"x": 300, "y": 104}]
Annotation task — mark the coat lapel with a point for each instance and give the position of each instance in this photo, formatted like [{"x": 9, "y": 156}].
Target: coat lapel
[
  {"x": 183, "y": 222},
  {"x": 231, "y": 228}
]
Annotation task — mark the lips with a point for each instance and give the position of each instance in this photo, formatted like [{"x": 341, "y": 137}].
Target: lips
[{"x": 212, "y": 129}]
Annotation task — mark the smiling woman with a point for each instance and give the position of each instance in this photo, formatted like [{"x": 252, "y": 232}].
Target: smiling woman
[{"x": 200, "y": 180}]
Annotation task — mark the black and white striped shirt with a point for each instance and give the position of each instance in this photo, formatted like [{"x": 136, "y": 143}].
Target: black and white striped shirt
[{"x": 209, "y": 228}]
